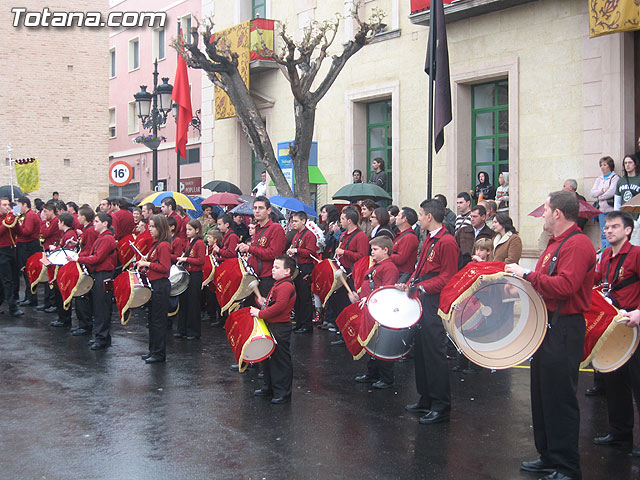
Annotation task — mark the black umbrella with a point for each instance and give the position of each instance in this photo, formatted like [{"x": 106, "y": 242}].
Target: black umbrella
[
  {"x": 222, "y": 186},
  {"x": 5, "y": 191},
  {"x": 247, "y": 209}
]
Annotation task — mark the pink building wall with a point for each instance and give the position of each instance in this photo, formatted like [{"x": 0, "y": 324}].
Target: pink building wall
[{"x": 126, "y": 83}]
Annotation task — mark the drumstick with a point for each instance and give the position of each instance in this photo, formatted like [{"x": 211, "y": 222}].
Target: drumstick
[
  {"x": 315, "y": 258},
  {"x": 254, "y": 286},
  {"x": 340, "y": 274},
  {"x": 136, "y": 249}
]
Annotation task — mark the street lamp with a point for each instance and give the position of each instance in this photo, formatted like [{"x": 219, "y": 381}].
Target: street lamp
[{"x": 152, "y": 109}]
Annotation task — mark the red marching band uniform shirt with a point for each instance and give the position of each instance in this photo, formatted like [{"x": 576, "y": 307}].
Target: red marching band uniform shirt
[
  {"x": 229, "y": 243},
  {"x": 50, "y": 232},
  {"x": 29, "y": 229},
  {"x": 572, "y": 281},
  {"x": 382, "y": 274},
  {"x": 103, "y": 256},
  {"x": 280, "y": 302},
  {"x": 355, "y": 246},
  {"x": 68, "y": 240},
  {"x": 181, "y": 226},
  {"x": 87, "y": 239},
  {"x": 442, "y": 261},
  {"x": 160, "y": 261},
  {"x": 405, "y": 251},
  {"x": 177, "y": 248},
  {"x": 197, "y": 253},
  {"x": 628, "y": 297},
  {"x": 6, "y": 233},
  {"x": 268, "y": 242},
  {"x": 306, "y": 244}
]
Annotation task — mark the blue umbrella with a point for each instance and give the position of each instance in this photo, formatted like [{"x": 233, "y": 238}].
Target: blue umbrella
[
  {"x": 293, "y": 204},
  {"x": 198, "y": 212}
]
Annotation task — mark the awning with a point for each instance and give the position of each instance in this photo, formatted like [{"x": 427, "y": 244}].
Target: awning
[{"x": 315, "y": 176}]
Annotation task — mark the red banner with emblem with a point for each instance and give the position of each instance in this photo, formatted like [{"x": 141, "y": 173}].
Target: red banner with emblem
[
  {"x": 349, "y": 322},
  {"x": 36, "y": 271}
]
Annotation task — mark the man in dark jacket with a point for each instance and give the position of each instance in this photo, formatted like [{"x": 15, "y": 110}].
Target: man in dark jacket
[{"x": 468, "y": 234}]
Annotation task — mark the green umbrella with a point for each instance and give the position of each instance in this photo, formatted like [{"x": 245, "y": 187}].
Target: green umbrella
[{"x": 361, "y": 191}]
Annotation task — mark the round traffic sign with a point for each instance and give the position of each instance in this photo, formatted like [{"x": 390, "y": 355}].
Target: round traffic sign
[{"x": 120, "y": 173}]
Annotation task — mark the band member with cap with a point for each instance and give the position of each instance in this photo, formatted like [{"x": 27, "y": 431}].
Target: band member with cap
[
  {"x": 28, "y": 243},
  {"x": 123, "y": 222},
  {"x": 438, "y": 262},
  {"x": 619, "y": 272},
  {"x": 229, "y": 239},
  {"x": 101, "y": 263},
  {"x": 49, "y": 234},
  {"x": 381, "y": 274},
  {"x": 8, "y": 221},
  {"x": 303, "y": 246},
  {"x": 158, "y": 263},
  {"x": 405, "y": 245},
  {"x": 278, "y": 368},
  {"x": 84, "y": 305},
  {"x": 564, "y": 277},
  {"x": 268, "y": 242},
  {"x": 193, "y": 260},
  {"x": 67, "y": 241},
  {"x": 168, "y": 208}
]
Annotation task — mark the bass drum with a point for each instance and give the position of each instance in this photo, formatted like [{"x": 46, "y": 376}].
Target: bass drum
[{"x": 179, "y": 280}]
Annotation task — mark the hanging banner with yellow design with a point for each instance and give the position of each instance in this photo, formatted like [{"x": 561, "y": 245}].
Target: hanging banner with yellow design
[
  {"x": 610, "y": 16},
  {"x": 28, "y": 174},
  {"x": 237, "y": 40}
]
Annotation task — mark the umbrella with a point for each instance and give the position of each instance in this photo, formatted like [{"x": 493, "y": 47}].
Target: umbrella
[
  {"x": 222, "y": 186},
  {"x": 5, "y": 191},
  {"x": 246, "y": 198},
  {"x": 246, "y": 208},
  {"x": 226, "y": 199},
  {"x": 587, "y": 210},
  {"x": 180, "y": 198},
  {"x": 138, "y": 198},
  {"x": 293, "y": 204},
  {"x": 361, "y": 191},
  {"x": 632, "y": 205}
]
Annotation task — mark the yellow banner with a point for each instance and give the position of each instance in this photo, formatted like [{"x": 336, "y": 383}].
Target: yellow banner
[
  {"x": 236, "y": 39},
  {"x": 610, "y": 16},
  {"x": 28, "y": 174}
]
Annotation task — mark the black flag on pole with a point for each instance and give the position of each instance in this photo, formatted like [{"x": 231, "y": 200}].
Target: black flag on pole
[{"x": 442, "y": 101}]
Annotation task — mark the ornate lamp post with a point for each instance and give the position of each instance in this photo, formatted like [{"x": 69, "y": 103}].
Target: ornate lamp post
[{"x": 152, "y": 109}]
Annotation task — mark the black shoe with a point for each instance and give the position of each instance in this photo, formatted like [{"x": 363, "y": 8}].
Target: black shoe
[
  {"x": 555, "y": 476},
  {"x": 434, "y": 417},
  {"x": 340, "y": 341},
  {"x": 469, "y": 371},
  {"x": 262, "y": 392},
  {"x": 27, "y": 303},
  {"x": 303, "y": 330},
  {"x": 193, "y": 337},
  {"x": 365, "y": 379},
  {"x": 178, "y": 335},
  {"x": 595, "y": 391},
  {"x": 416, "y": 408},
  {"x": 537, "y": 466},
  {"x": 78, "y": 332},
  {"x": 154, "y": 359},
  {"x": 59, "y": 323},
  {"x": 50, "y": 309},
  {"x": 217, "y": 323},
  {"x": 98, "y": 345},
  {"x": 277, "y": 400},
  {"x": 260, "y": 374},
  {"x": 234, "y": 367},
  {"x": 16, "y": 313},
  {"x": 381, "y": 385},
  {"x": 144, "y": 356},
  {"x": 611, "y": 440},
  {"x": 40, "y": 308}
]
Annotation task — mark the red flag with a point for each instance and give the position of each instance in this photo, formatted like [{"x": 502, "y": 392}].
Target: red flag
[{"x": 182, "y": 96}]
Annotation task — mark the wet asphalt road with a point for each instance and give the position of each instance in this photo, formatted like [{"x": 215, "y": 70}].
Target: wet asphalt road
[{"x": 69, "y": 413}]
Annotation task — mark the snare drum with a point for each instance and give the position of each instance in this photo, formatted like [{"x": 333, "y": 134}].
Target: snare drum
[
  {"x": 249, "y": 338},
  {"x": 131, "y": 289},
  {"x": 73, "y": 281},
  {"x": 59, "y": 256},
  {"x": 395, "y": 316},
  {"x": 141, "y": 288},
  {"x": 179, "y": 280}
]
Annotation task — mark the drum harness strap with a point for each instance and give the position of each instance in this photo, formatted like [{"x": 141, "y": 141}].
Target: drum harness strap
[
  {"x": 427, "y": 276},
  {"x": 191, "y": 243},
  {"x": 93, "y": 252},
  {"x": 346, "y": 245},
  {"x": 268, "y": 303},
  {"x": 609, "y": 288},
  {"x": 262, "y": 232},
  {"x": 552, "y": 269},
  {"x": 299, "y": 242}
]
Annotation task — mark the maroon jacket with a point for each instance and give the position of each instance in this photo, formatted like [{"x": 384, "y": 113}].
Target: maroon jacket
[
  {"x": 50, "y": 232},
  {"x": 280, "y": 302},
  {"x": 87, "y": 239},
  {"x": 103, "y": 256},
  {"x": 405, "y": 251},
  {"x": 160, "y": 261},
  {"x": 628, "y": 297},
  {"x": 6, "y": 234},
  {"x": 123, "y": 223},
  {"x": 68, "y": 240},
  {"x": 195, "y": 260},
  {"x": 355, "y": 246},
  {"x": 442, "y": 261},
  {"x": 177, "y": 248},
  {"x": 181, "y": 226},
  {"x": 29, "y": 229},
  {"x": 573, "y": 278},
  {"x": 383, "y": 274},
  {"x": 268, "y": 243},
  {"x": 306, "y": 243},
  {"x": 229, "y": 244}
]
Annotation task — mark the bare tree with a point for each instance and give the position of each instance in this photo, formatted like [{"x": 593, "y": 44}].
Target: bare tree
[{"x": 300, "y": 62}]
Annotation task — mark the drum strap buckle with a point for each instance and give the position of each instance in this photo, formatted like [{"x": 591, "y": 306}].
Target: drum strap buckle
[{"x": 606, "y": 289}]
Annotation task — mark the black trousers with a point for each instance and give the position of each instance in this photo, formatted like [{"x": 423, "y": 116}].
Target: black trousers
[
  {"x": 622, "y": 386},
  {"x": 7, "y": 275},
  {"x": 158, "y": 311},
  {"x": 304, "y": 300},
  {"x": 63, "y": 315},
  {"x": 189, "y": 314},
  {"x": 212, "y": 306},
  {"x": 554, "y": 405},
  {"x": 24, "y": 251},
  {"x": 49, "y": 296},
  {"x": 337, "y": 302},
  {"x": 380, "y": 369},
  {"x": 102, "y": 306},
  {"x": 84, "y": 311},
  {"x": 278, "y": 368},
  {"x": 431, "y": 368}
]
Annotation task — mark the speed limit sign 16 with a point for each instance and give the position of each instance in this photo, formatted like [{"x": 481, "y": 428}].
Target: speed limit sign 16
[{"x": 120, "y": 173}]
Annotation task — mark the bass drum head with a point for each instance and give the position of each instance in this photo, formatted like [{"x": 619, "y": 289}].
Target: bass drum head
[
  {"x": 617, "y": 349},
  {"x": 246, "y": 286},
  {"x": 393, "y": 309},
  {"x": 141, "y": 295},
  {"x": 85, "y": 284},
  {"x": 501, "y": 324},
  {"x": 258, "y": 349}
]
